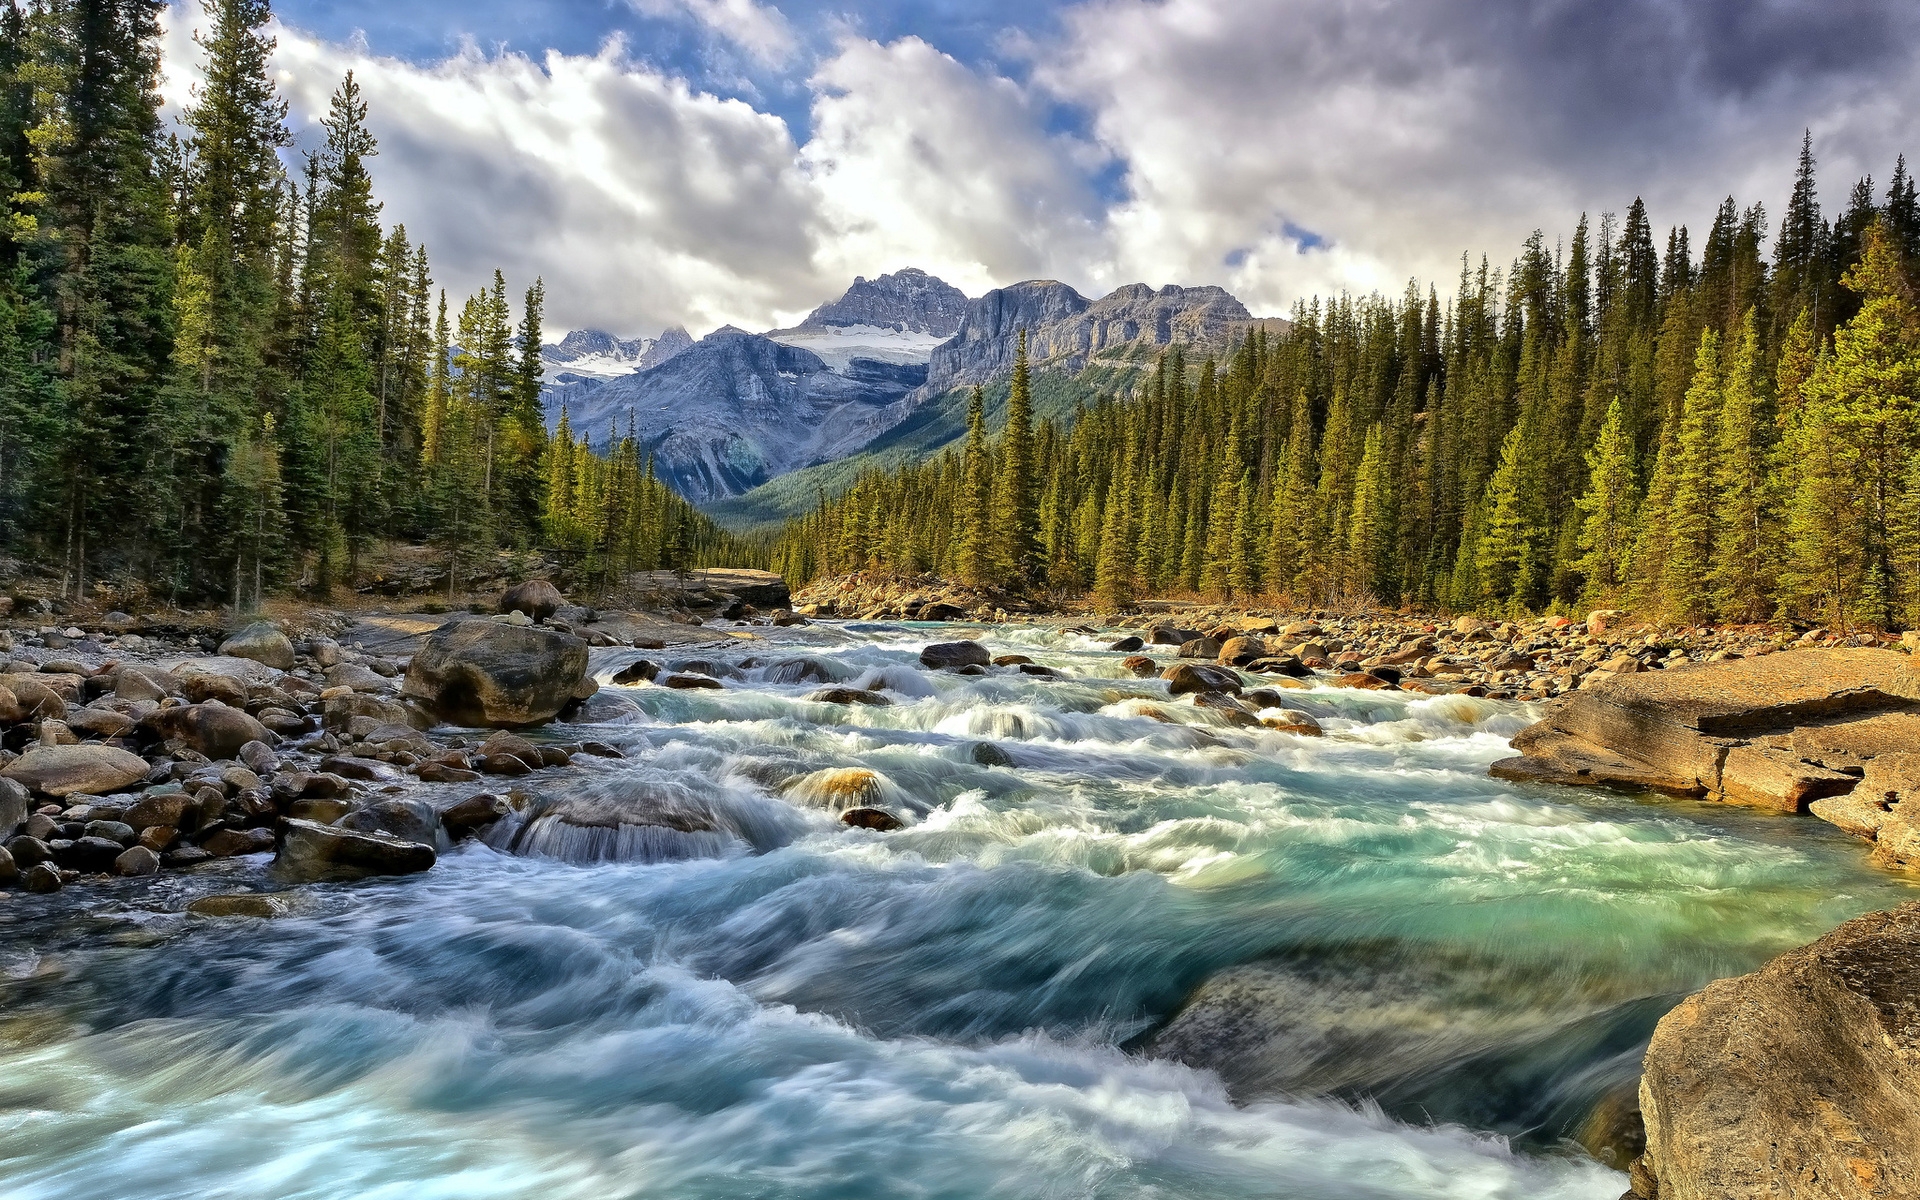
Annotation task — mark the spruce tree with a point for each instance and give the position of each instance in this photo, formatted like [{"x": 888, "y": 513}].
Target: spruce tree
[
  {"x": 975, "y": 513},
  {"x": 1607, "y": 509},
  {"x": 1691, "y": 511},
  {"x": 1742, "y": 547},
  {"x": 1016, "y": 517}
]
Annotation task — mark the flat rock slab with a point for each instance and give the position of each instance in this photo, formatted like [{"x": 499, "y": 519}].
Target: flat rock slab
[
  {"x": 1776, "y": 731},
  {"x": 1799, "y": 1080}
]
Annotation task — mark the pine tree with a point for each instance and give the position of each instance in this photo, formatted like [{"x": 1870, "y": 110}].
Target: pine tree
[
  {"x": 1607, "y": 508},
  {"x": 1690, "y": 522},
  {"x": 1742, "y": 548},
  {"x": 1016, "y": 518},
  {"x": 975, "y": 514}
]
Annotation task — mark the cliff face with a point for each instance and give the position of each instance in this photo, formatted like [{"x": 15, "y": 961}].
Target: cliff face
[
  {"x": 1065, "y": 331},
  {"x": 736, "y": 409},
  {"x": 1801, "y": 1080},
  {"x": 910, "y": 301}
]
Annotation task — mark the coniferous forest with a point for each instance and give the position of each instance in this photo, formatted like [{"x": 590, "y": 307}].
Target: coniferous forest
[
  {"x": 1698, "y": 432},
  {"x": 220, "y": 376}
]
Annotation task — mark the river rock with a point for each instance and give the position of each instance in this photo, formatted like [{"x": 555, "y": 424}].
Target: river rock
[
  {"x": 689, "y": 682},
  {"x": 357, "y": 677},
  {"x": 640, "y": 670},
  {"x": 136, "y": 861},
  {"x": 65, "y": 770},
  {"x": 484, "y": 673},
  {"x": 41, "y": 879},
  {"x": 263, "y": 643},
  {"x": 230, "y": 843},
  {"x": 1140, "y": 666},
  {"x": 9, "y": 870},
  {"x": 131, "y": 684},
  {"x": 473, "y": 815},
  {"x": 411, "y": 820},
  {"x": 1239, "y": 651},
  {"x": 1200, "y": 647},
  {"x": 1198, "y": 678},
  {"x": 537, "y": 598},
  {"x": 16, "y": 804},
  {"x": 311, "y": 851},
  {"x": 644, "y": 819},
  {"x": 32, "y": 699},
  {"x": 943, "y": 656},
  {"x": 1128, "y": 644},
  {"x": 239, "y": 904},
  {"x": 89, "y": 854},
  {"x": 1777, "y": 731},
  {"x": 845, "y": 695},
  {"x": 212, "y": 728},
  {"x": 1800, "y": 1080}
]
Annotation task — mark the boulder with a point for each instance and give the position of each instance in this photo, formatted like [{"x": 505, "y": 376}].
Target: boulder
[
  {"x": 131, "y": 684},
  {"x": 484, "y": 673},
  {"x": 230, "y": 843},
  {"x": 311, "y": 851},
  {"x": 16, "y": 804},
  {"x": 136, "y": 860},
  {"x": 9, "y": 870},
  {"x": 1799, "y": 1080},
  {"x": 100, "y": 722},
  {"x": 410, "y": 820},
  {"x": 1239, "y": 651},
  {"x": 1199, "y": 679},
  {"x": 263, "y": 643},
  {"x": 687, "y": 682},
  {"x": 212, "y": 728},
  {"x": 357, "y": 677},
  {"x": 1777, "y": 731},
  {"x": 65, "y": 770},
  {"x": 1140, "y": 666},
  {"x": 162, "y": 809},
  {"x": 41, "y": 879},
  {"x": 1128, "y": 644},
  {"x": 943, "y": 656},
  {"x": 638, "y": 671},
  {"x": 338, "y": 712},
  {"x": 473, "y": 815},
  {"x": 847, "y": 695},
  {"x": 1200, "y": 647},
  {"x": 238, "y": 904},
  {"x": 537, "y": 598}
]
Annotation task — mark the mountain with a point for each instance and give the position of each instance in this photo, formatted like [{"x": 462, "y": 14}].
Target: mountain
[
  {"x": 896, "y": 318},
  {"x": 1066, "y": 331},
  {"x": 596, "y": 353},
  {"x": 736, "y": 409}
]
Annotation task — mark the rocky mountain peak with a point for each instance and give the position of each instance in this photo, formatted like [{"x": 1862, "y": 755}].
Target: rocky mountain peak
[{"x": 909, "y": 300}]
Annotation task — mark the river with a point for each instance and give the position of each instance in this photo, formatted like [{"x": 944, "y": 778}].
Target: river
[{"x": 1449, "y": 971}]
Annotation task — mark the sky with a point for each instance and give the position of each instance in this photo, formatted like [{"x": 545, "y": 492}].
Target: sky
[{"x": 710, "y": 162}]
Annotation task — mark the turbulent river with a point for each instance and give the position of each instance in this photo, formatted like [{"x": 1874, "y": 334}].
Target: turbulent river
[{"x": 1439, "y": 976}]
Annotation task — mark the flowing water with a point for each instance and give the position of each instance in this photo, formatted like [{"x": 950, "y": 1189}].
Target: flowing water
[{"x": 1424, "y": 980}]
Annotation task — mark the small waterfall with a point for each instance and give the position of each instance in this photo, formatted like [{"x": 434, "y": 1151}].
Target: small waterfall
[{"x": 647, "y": 818}]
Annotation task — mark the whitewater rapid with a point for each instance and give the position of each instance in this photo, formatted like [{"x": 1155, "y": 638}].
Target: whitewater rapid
[{"x": 976, "y": 1005}]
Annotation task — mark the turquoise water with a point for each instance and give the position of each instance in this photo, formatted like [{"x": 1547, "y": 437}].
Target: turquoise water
[{"x": 968, "y": 1007}]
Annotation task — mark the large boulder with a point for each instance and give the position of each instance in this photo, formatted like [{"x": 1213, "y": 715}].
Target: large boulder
[
  {"x": 263, "y": 643},
  {"x": 1776, "y": 731},
  {"x": 486, "y": 673},
  {"x": 212, "y": 728},
  {"x": 16, "y": 803},
  {"x": 1199, "y": 679},
  {"x": 537, "y": 598},
  {"x": 310, "y": 851},
  {"x": 645, "y": 819},
  {"x": 65, "y": 770},
  {"x": 1799, "y": 1080},
  {"x": 949, "y": 655}
]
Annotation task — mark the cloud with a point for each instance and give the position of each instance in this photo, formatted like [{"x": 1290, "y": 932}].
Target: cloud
[
  {"x": 1278, "y": 147},
  {"x": 1400, "y": 134},
  {"x": 917, "y": 159},
  {"x": 759, "y": 29}
]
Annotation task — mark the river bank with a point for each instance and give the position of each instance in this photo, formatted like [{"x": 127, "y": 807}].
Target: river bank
[{"x": 1120, "y": 941}]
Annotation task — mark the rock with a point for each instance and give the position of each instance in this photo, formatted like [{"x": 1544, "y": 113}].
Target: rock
[
  {"x": 185, "y": 856},
  {"x": 356, "y": 677},
  {"x": 802, "y": 670},
  {"x": 878, "y": 819},
  {"x": 65, "y": 770},
  {"x": 89, "y": 854},
  {"x": 472, "y": 815},
  {"x": 367, "y": 770},
  {"x": 948, "y": 655},
  {"x": 238, "y": 904},
  {"x": 411, "y": 820},
  {"x": 338, "y": 712},
  {"x": 844, "y": 695},
  {"x": 1799, "y": 1080},
  {"x": 1292, "y": 720},
  {"x": 263, "y": 643},
  {"x": 228, "y": 843},
  {"x": 129, "y": 684},
  {"x": 32, "y": 699},
  {"x": 483, "y": 673},
  {"x": 158, "y": 838},
  {"x": 27, "y": 850},
  {"x": 212, "y": 728},
  {"x": 1727, "y": 730},
  {"x": 16, "y": 804},
  {"x": 204, "y": 685},
  {"x": 1168, "y": 635},
  {"x": 433, "y": 772},
  {"x": 1197, "y": 679},
  {"x": 537, "y": 598},
  {"x": 166, "y": 808},
  {"x": 1141, "y": 666},
  {"x": 114, "y": 831},
  {"x": 100, "y": 722},
  {"x": 1362, "y": 679},
  {"x": 324, "y": 809},
  {"x": 1600, "y": 620},
  {"x": 9, "y": 870},
  {"x": 989, "y": 755},
  {"x": 312, "y": 851},
  {"x": 41, "y": 879},
  {"x": 691, "y": 682},
  {"x": 1239, "y": 651},
  {"x": 1200, "y": 647},
  {"x": 1127, "y": 644},
  {"x": 135, "y": 861},
  {"x": 637, "y": 671},
  {"x": 1280, "y": 665}
]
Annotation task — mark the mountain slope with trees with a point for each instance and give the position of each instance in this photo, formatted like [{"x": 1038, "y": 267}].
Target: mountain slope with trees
[
  {"x": 216, "y": 379},
  {"x": 1719, "y": 435}
]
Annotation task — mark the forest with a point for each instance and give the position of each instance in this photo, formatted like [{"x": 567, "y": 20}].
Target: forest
[
  {"x": 220, "y": 377},
  {"x": 1713, "y": 435}
]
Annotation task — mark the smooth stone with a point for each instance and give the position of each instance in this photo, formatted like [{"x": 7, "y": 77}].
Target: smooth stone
[
  {"x": 312, "y": 851},
  {"x": 65, "y": 770}
]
